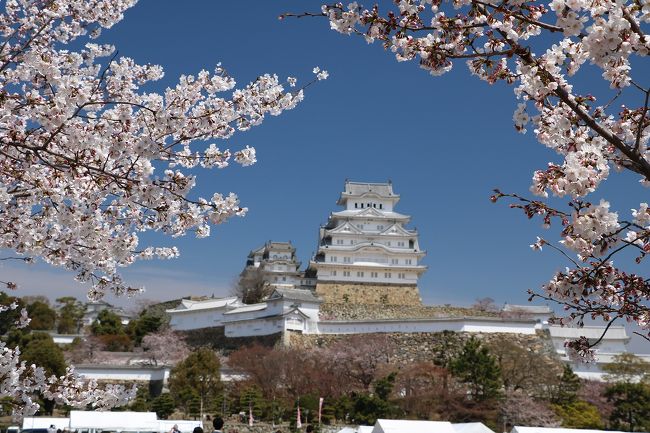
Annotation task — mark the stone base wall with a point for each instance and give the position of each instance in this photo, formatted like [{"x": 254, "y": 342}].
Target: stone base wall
[
  {"x": 364, "y": 293},
  {"x": 429, "y": 346},
  {"x": 215, "y": 338}
]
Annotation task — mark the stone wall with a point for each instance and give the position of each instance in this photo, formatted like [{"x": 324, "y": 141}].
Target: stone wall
[
  {"x": 364, "y": 293},
  {"x": 217, "y": 340},
  {"x": 427, "y": 346},
  {"x": 342, "y": 311}
]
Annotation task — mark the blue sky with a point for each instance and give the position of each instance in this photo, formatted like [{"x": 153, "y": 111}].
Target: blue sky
[{"x": 444, "y": 142}]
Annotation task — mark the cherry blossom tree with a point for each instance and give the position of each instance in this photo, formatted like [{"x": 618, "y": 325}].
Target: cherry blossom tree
[
  {"x": 91, "y": 156},
  {"x": 542, "y": 48},
  {"x": 165, "y": 347}
]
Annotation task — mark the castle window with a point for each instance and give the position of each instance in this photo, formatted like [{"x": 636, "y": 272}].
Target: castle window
[
  {"x": 359, "y": 274},
  {"x": 368, "y": 204},
  {"x": 380, "y": 227},
  {"x": 394, "y": 261},
  {"x": 387, "y": 275},
  {"x": 361, "y": 205},
  {"x": 374, "y": 205},
  {"x": 356, "y": 205},
  {"x": 346, "y": 273},
  {"x": 400, "y": 244},
  {"x": 334, "y": 273},
  {"x": 373, "y": 274},
  {"x": 339, "y": 242},
  {"x": 346, "y": 260},
  {"x": 381, "y": 206},
  {"x": 401, "y": 275},
  {"x": 408, "y": 261}
]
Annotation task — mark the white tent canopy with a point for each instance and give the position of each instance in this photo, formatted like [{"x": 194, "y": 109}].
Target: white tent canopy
[
  {"x": 471, "y": 427},
  {"x": 520, "y": 429},
  {"x": 410, "y": 426},
  {"x": 115, "y": 421},
  {"x": 45, "y": 422}
]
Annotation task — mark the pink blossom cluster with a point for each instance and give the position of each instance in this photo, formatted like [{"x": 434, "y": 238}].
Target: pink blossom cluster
[
  {"x": 90, "y": 156},
  {"x": 20, "y": 384}
]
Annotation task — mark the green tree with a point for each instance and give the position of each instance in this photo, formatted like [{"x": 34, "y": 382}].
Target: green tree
[
  {"x": 251, "y": 397},
  {"x": 631, "y": 406},
  {"x": 579, "y": 414},
  {"x": 9, "y": 317},
  {"x": 367, "y": 408},
  {"x": 143, "y": 325},
  {"x": 39, "y": 348},
  {"x": 627, "y": 368},
  {"x": 163, "y": 405},
  {"x": 567, "y": 389},
  {"x": 197, "y": 376},
  {"x": 43, "y": 317},
  {"x": 107, "y": 323},
  {"x": 71, "y": 311},
  {"x": 142, "y": 401},
  {"x": 478, "y": 369}
]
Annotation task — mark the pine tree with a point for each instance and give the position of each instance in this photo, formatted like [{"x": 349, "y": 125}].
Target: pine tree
[
  {"x": 477, "y": 368},
  {"x": 631, "y": 406},
  {"x": 567, "y": 389}
]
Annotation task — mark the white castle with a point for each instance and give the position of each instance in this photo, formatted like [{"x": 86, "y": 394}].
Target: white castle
[
  {"x": 365, "y": 249},
  {"x": 367, "y": 241}
]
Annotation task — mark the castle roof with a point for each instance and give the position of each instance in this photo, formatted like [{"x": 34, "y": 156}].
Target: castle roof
[
  {"x": 294, "y": 294},
  {"x": 530, "y": 309},
  {"x": 361, "y": 189},
  {"x": 369, "y": 213},
  {"x": 188, "y": 305}
]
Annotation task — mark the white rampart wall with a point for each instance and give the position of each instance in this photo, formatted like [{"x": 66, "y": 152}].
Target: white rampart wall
[
  {"x": 186, "y": 320},
  {"x": 108, "y": 373},
  {"x": 433, "y": 325}
]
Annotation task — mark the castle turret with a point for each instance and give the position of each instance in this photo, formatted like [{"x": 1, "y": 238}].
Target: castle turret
[{"x": 366, "y": 249}]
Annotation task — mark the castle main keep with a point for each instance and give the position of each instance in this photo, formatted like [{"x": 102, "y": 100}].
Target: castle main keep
[{"x": 365, "y": 253}]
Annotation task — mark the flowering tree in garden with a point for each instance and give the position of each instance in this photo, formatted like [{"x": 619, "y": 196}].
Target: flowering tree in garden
[
  {"x": 88, "y": 158},
  {"x": 540, "y": 47}
]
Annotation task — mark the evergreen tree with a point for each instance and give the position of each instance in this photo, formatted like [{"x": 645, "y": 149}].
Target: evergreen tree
[
  {"x": 477, "y": 368},
  {"x": 143, "y": 325},
  {"x": 39, "y": 348},
  {"x": 43, "y": 317},
  {"x": 627, "y": 368},
  {"x": 142, "y": 402},
  {"x": 9, "y": 317},
  {"x": 163, "y": 405},
  {"x": 252, "y": 398},
  {"x": 107, "y": 323},
  {"x": 71, "y": 311},
  {"x": 366, "y": 408},
  {"x": 196, "y": 380},
  {"x": 631, "y": 406},
  {"x": 568, "y": 387}
]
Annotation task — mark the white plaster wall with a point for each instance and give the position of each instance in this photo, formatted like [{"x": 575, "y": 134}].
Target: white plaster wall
[
  {"x": 184, "y": 321},
  {"x": 424, "y": 326},
  {"x": 130, "y": 374},
  {"x": 63, "y": 339},
  {"x": 253, "y": 327}
]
